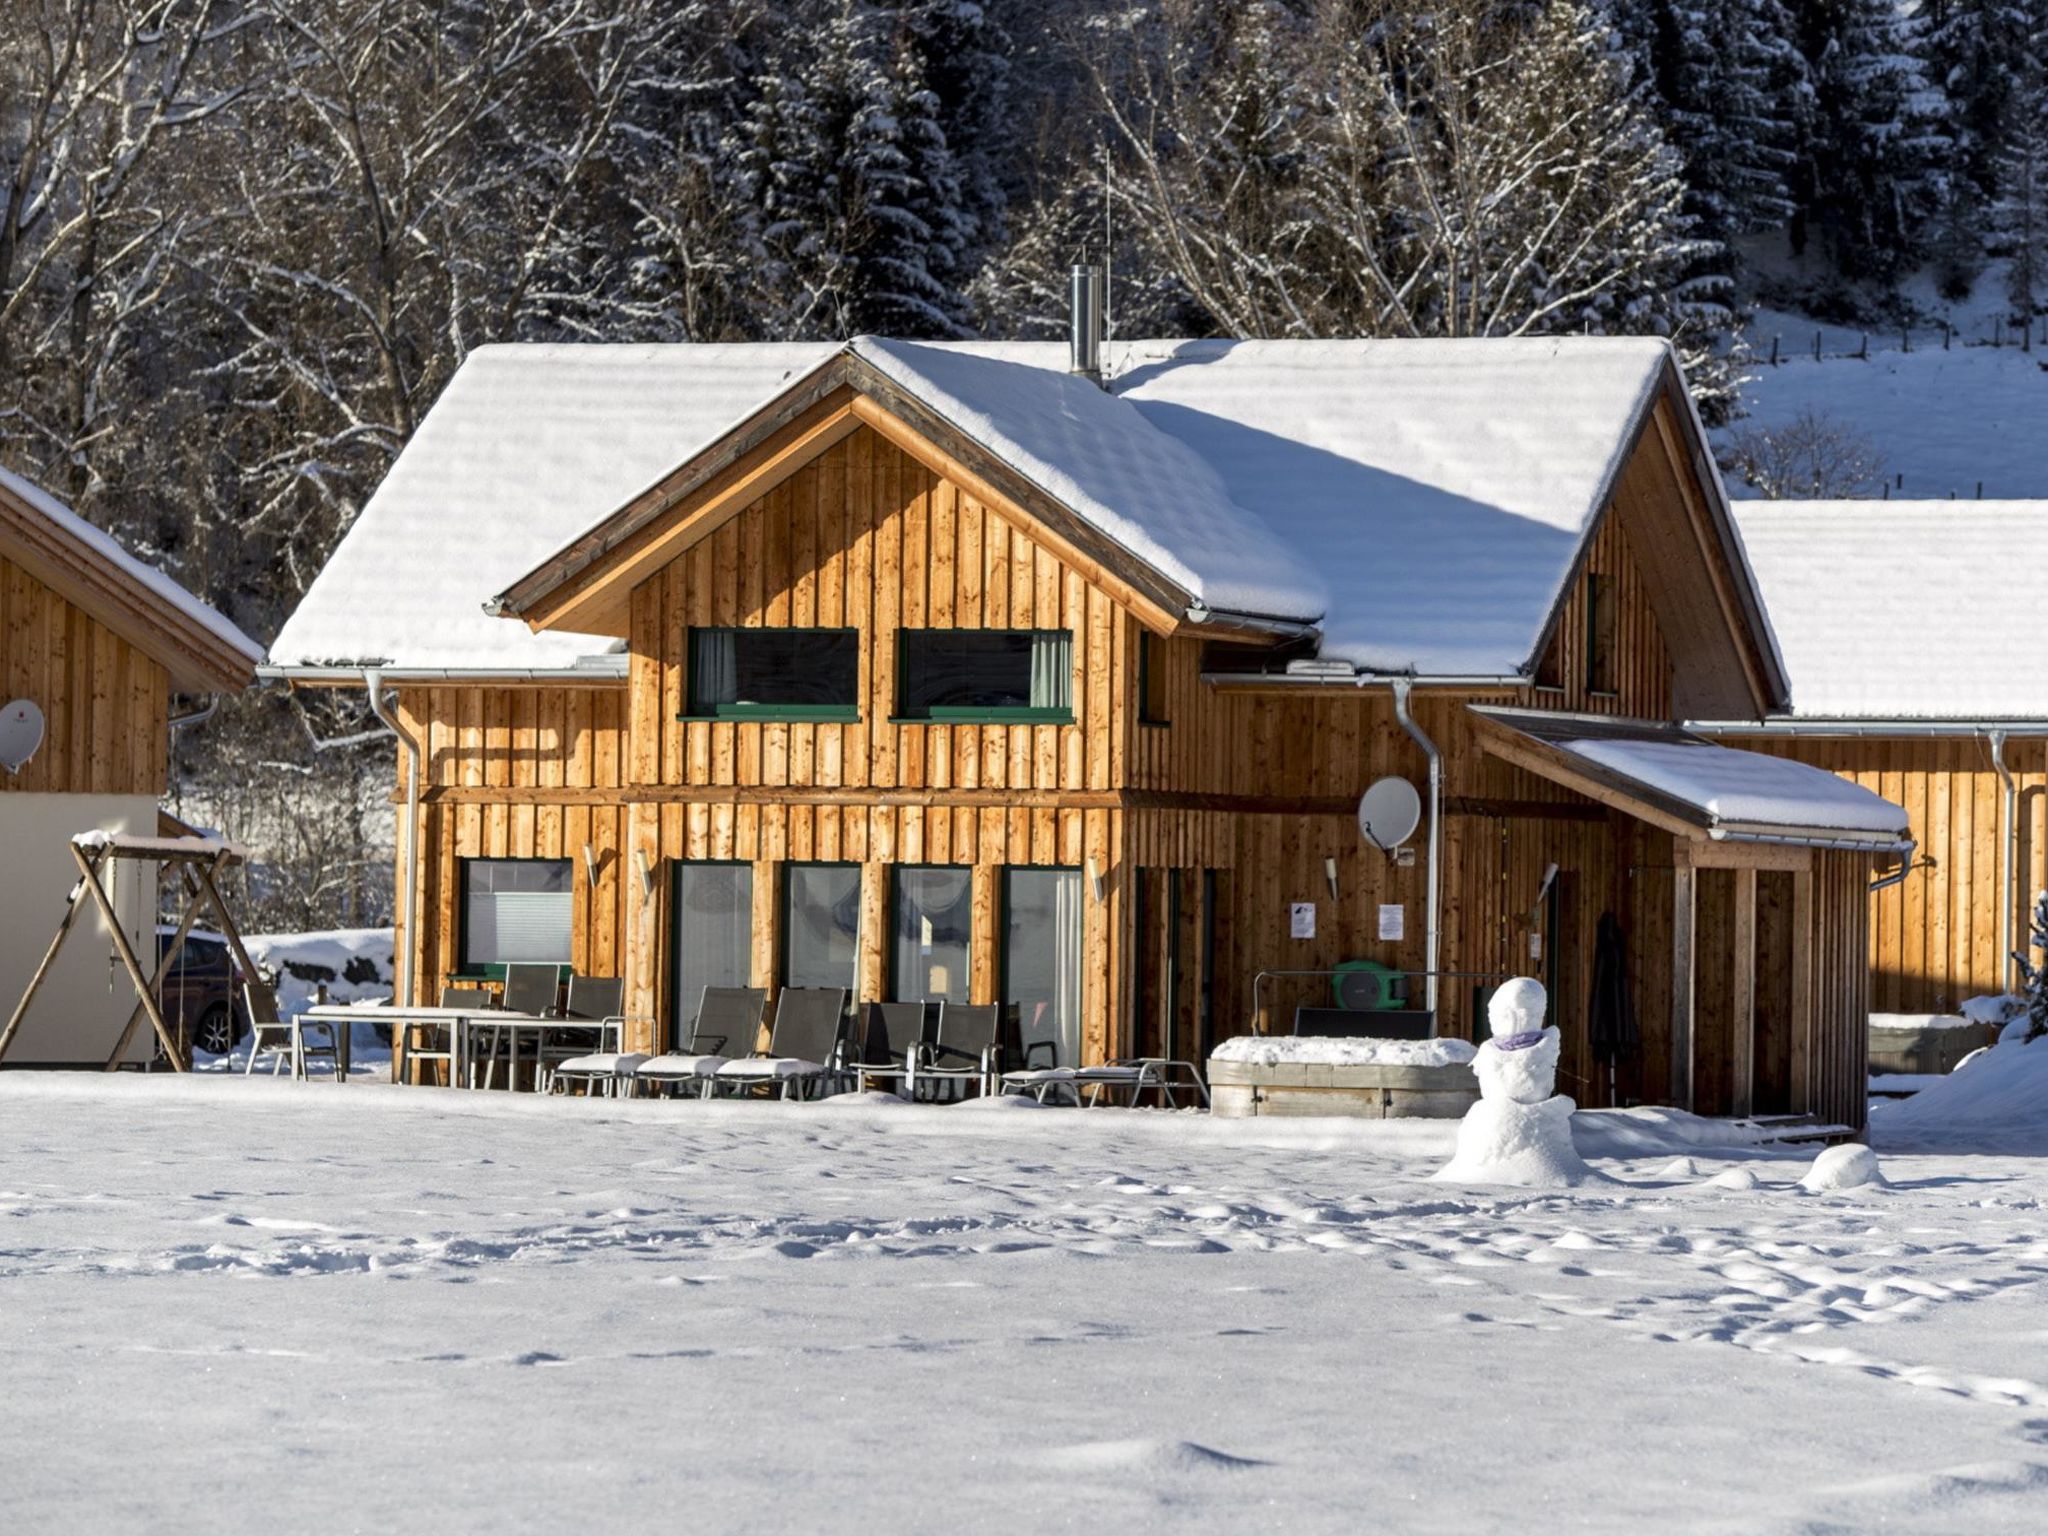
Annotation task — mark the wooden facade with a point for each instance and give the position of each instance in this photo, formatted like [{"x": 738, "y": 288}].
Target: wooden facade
[
  {"x": 1938, "y": 937},
  {"x": 1200, "y": 823},
  {"x": 105, "y": 701}
]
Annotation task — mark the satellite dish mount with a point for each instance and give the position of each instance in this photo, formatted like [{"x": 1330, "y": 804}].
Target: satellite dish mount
[
  {"x": 21, "y": 733},
  {"x": 1388, "y": 814}
]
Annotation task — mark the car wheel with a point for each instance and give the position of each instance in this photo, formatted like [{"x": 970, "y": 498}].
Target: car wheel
[{"x": 215, "y": 1031}]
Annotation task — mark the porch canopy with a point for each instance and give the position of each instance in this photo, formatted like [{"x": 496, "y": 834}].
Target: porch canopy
[{"x": 1686, "y": 784}]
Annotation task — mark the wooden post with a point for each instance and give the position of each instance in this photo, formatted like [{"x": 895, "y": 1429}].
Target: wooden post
[
  {"x": 985, "y": 946},
  {"x": 871, "y": 966},
  {"x": 767, "y": 956},
  {"x": 228, "y": 929},
  {"x": 90, "y": 869},
  {"x": 1802, "y": 992},
  {"x": 71, "y": 910},
  {"x": 1683, "y": 892},
  {"x": 1742, "y": 1021}
]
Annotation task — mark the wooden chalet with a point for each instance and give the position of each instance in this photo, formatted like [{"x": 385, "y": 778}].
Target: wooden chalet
[
  {"x": 944, "y": 671},
  {"x": 94, "y": 648},
  {"x": 1913, "y": 678}
]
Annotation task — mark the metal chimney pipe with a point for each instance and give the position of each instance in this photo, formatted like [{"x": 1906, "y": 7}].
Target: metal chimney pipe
[{"x": 1085, "y": 324}]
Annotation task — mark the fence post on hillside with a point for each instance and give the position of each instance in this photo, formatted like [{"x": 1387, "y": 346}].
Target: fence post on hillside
[
  {"x": 1816, "y": 346},
  {"x": 1905, "y": 338},
  {"x": 1863, "y": 351},
  {"x": 1774, "y": 351},
  {"x": 1947, "y": 333}
]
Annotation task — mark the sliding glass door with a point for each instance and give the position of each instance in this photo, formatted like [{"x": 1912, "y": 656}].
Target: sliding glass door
[
  {"x": 933, "y": 924},
  {"x": 820, "y": 925},
  {"x": 713, "y": 940},
  {"x": 1042, "y": 955}
]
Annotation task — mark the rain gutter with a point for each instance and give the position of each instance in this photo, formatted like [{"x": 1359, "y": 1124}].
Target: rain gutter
[{"x": 2007, "y": 826}]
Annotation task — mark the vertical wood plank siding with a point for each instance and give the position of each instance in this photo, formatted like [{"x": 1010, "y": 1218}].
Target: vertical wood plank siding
[
  {"x": 105, "y": 704},
  {"x": 1256, "y": 784}
]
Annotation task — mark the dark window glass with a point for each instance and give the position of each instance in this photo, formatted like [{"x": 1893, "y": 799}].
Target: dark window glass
[
  {"x": 820, "y": 924},
  {"x": 985, "y": 673},
  {"x": 714, "y": 933},
  {"x": 516, "y": 909},
  {"x": 934, "y": 920},
  {"x": 1042, "y": 956},
  {"x": 737, "y": 672},
  {"x": 1600, "y": 634},
  {"x": 1152, "y": 655}
]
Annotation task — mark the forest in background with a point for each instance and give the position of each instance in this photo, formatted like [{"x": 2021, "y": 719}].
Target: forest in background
[{"x": 244, "y": 243}]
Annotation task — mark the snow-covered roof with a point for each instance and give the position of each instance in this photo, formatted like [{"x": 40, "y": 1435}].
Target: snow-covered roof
[
  {"x": 527, "y": 446},
  {"x": 75, "y": 549},
  {"x": 1725, "y": 792},
  {"x": 1893, "y": 610},
  {"x": 1424, "y": 499}
]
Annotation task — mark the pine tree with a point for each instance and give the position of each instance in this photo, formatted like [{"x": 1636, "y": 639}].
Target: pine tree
[
  {"x": 1872, "y": 178},
  {"x": 2019, "y": 212},
  {"x": 2035, "y": 977}
]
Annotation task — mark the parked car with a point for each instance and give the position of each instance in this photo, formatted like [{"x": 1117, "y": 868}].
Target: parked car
[{"x": 204, "y": 989}]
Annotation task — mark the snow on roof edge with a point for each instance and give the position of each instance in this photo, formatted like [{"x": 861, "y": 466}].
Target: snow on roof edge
[{"x": 105, "y": 545}]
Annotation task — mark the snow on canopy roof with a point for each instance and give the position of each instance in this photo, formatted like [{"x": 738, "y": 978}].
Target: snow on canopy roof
[
  {"x": 528, "y": 445},
  {"x": 1736, "y": 790},
  {"x": 103, "y": 544},
  {"x": 1109, "y": 463},
  {"x": 1425, "y": 499},
  {"x": 1849, "y": 586}
]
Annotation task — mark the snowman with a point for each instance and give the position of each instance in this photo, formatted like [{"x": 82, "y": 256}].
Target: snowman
[{"x": 1520, "y": 1131}]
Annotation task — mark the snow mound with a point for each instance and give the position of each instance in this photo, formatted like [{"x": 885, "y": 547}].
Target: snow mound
[
  {"x": 1159, "y": 1457},
  {"x": 1995, "y": 1097},
  {"x": 1993, "y": 1008},
  {"x": 1678, "y": 1168},
  {"x": 1002, "y": 1102},
  {"x": 1340, "y": 1051},
  {"x": 1846, "y": 1167},
  {"x": 1649, "y": 1130},
  {"x": 354, "y": 964},
  {"x": 1961, "y": 1020},
  {"x": 1733, "y": 1178}
]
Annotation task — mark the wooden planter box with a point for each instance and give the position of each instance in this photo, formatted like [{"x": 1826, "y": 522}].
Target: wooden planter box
[{"x": 1238, "y": 1089}]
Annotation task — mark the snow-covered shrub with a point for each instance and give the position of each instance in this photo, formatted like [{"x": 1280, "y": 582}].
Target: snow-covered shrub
[{"x": 2036, "y": 977}]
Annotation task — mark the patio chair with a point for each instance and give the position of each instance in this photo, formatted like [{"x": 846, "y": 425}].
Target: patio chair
[
  {"x": 806, "y": 1046},
  {"x": 421, "y": 1040},
  {"x": 974, "y": 1041},
  {"x": 531, "y": 988},
  {"x": 600, "y": 999},
  {"x": 728, "y": 1019},
  {"x": 266, "y": 1023},
  {"x": 889, "y": 1038}
]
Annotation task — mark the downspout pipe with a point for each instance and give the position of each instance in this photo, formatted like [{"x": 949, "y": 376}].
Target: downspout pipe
[
  {"x": 1432, "y": 935},
  {"x": 380, "y": 706},
  {"x": 2008, "y": 825}
]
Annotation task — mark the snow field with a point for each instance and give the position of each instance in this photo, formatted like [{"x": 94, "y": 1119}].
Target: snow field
[{"x": 238, "y": 1306}]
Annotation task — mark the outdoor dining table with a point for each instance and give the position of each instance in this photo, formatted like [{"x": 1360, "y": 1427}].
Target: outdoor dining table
[{"x": 464, "y": 1024}]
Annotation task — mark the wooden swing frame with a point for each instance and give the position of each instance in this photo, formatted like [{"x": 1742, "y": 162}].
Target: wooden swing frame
[{"x": 199, "y": 861}]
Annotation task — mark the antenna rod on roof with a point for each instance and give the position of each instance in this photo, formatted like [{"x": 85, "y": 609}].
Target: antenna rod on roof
[{"x": 1085, "y": 323}]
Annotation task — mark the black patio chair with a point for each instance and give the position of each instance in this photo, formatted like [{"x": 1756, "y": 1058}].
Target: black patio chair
[
  {"x": 728, "y": 1020},
  {"x": 889, "y": 1038},
  {"x": 806, "y": 1046},
  {"x": 973, "y": 1043}
]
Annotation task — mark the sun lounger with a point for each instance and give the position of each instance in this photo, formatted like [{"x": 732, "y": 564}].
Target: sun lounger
[
  {"x": 728, "y": 1020},
  {"x": 1131, "y": 1077},
  {"x": 806, "y": 1047}
]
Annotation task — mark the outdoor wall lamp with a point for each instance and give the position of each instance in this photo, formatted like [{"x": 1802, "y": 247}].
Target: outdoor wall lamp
[
  {"x": 1096, "y": 885},
  {"x": 590, "y": 865},
  {"x": 1330, "y": 874},
  {"x": 645, "y": 872}
]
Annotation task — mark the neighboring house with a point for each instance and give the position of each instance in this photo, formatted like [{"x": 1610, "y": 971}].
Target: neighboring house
[
  {"x": 1918, "y": 672},
  {"x": 941, "y": 671},
  {"x": 94, "y": 645}
]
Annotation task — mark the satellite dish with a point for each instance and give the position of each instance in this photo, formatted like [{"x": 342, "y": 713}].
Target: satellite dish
[
  {"x": 21, "y": 732},
  {"x": 1389, "y": 812}
]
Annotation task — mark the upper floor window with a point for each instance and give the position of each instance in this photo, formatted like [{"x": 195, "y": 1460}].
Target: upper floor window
[
  {"x": 1601, "y": 641},
  {"x": 775, "y": 674},
  {"x": 1153, "y": 708},
  {"x": 986, "y": 674}
]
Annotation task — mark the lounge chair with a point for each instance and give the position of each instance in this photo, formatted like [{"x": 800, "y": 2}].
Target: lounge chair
[
  {"x": 806, "y": 1046},
  {"x": 1131, "y": 1077},
  {"x": 601, "y": 1000},
  {"x": 728, "y": 1020},
  {"x": 889, "y": 1040},
  {"x": 974, "y": 1042}
]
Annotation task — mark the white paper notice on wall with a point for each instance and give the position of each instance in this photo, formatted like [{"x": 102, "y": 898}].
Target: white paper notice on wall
[
  {"x": 1393, "y": 921},
  {"x": 1301, "y": 919}
]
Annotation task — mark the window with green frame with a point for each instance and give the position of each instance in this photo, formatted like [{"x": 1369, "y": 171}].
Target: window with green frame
[
  {"x": 774, "y": 674},
  {"x": 1020, "y": 675}
]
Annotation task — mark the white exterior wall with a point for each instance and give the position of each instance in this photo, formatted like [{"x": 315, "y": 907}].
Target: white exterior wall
[{"x": 83, "y": 1003}]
